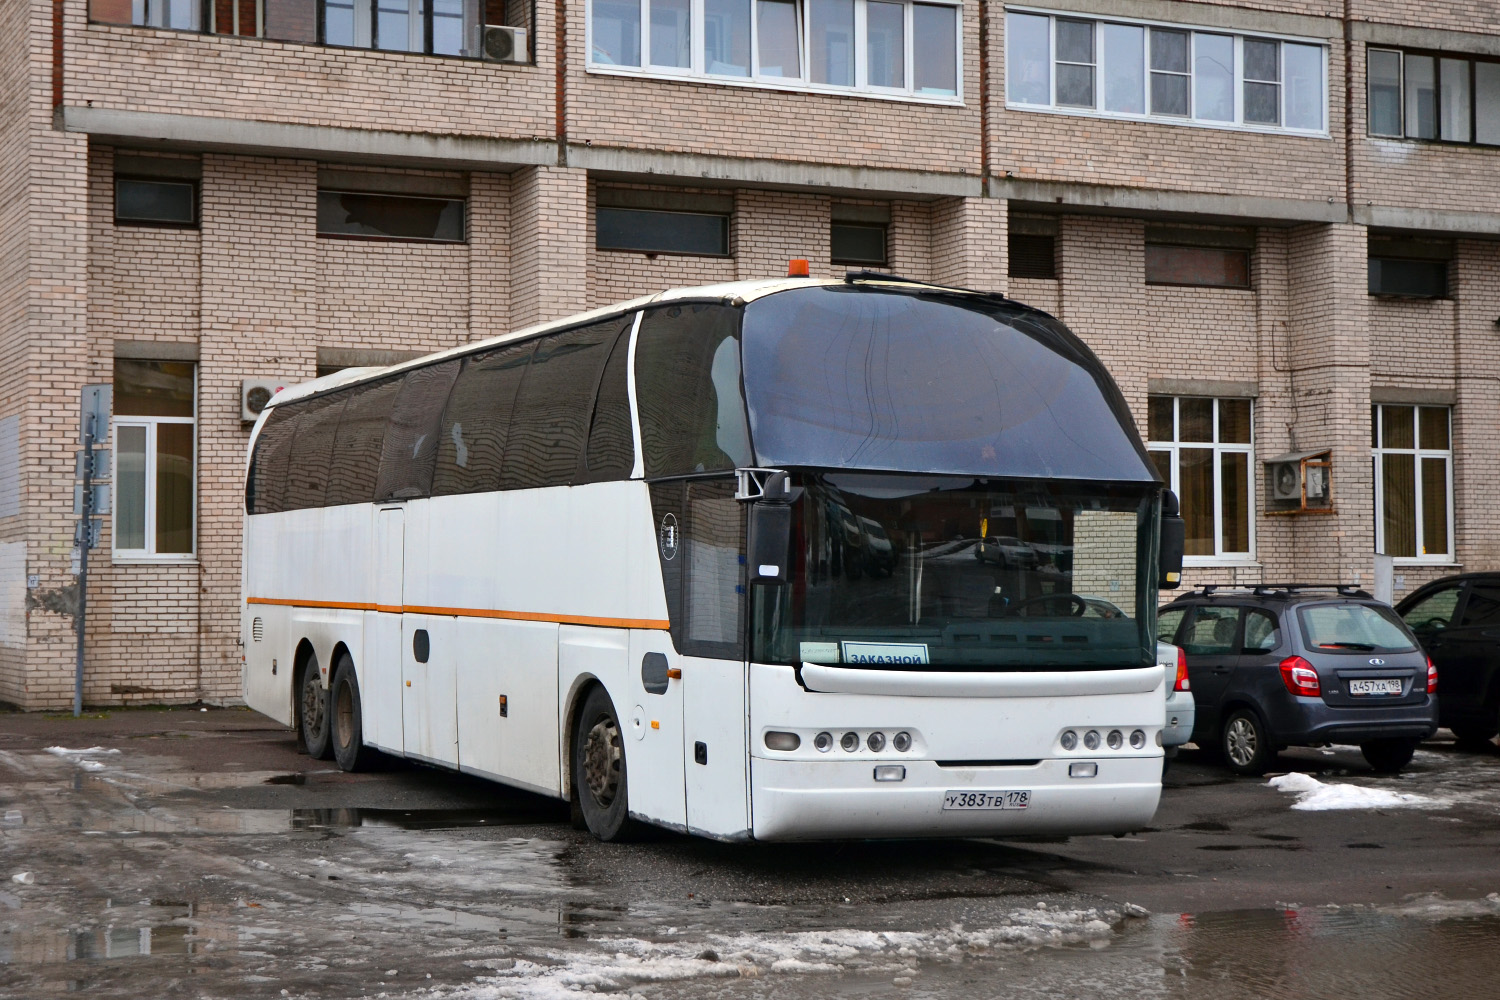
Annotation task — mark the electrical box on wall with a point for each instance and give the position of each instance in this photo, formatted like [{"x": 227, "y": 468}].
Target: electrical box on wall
[
  {"x": 255, "y": 393},
  {"x": 1300, "y": 483}
]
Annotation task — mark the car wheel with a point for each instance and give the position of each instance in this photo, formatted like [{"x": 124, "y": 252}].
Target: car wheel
[
  {"x": 1474, "y": 737},
  {"x": 600, "y": 775},
  {"x": 348, "y": 720},
  {"x": 1389, "y": 756},
  {"x": 312, "y": 711},
  {"x": 1245, "y": 744}
]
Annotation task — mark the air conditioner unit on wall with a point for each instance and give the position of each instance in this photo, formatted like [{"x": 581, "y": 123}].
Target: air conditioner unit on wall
[
  {"x": 1298, "y": 482},
  {"x": 503, "y": 43},
  {"x": 255, "y": 393}
]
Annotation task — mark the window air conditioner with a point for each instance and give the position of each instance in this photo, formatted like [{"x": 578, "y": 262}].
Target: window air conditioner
[
  {"x": 1286, "y": 481},
  {"x": 1300, "y": 482},
  {"x": 255, "y": 393},
  {"x": 503, "y": 43}
]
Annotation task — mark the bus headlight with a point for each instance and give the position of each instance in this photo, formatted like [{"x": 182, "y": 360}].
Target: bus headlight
[
  {"x": 823, "y": 742},
  {"x": 876, "y": 742},
  {"x": 1069, "y": 740},
  {"x": 1137, "y": 739},
  {"x": 849, "y": 741},
  {"x": 901, "y": 742},
  {"x": 1091, "y": 740},
  {"x": 1116, "y": 739},
  {"x": 783, "y": 741}
]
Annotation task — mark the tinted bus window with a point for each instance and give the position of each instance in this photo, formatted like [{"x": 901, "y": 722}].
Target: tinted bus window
[
  {"x": 553, "y": 406},
  {"x": 611, "y": 450},
  {"x": 713, "y": 595},
  {"x": 410, "y": 446},
  {"x": 356, "y": 447},
  {"x": 312, "y": 452},
  {"x": 265, "y": 487},
  {"x": 687, "y": 376},
  {"x": 477, "y": 420}
]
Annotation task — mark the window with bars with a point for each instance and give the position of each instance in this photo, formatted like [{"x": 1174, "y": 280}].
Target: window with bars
[
  {"x": 1413, "y": 455},
  {"x": 1031, "y": 245},
  {"x": 1203, "y": 447},
  {"x": 1434, "y": 96},
  {"x": 1134, "y": 69}
]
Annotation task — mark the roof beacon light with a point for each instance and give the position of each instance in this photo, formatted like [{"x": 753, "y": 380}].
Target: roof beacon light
[{"x": 797, "y": 268}]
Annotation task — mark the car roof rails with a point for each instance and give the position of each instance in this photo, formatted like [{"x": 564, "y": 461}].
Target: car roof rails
[{"x": 1276, "y": 589}]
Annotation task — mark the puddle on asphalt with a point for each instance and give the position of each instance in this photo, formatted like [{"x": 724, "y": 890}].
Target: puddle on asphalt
[{"x": 404, "y": 819}]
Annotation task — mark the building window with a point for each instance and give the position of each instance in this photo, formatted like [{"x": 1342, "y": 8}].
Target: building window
[
  {"x": 1200, "y": 257},
  {"x": 155, "y": 202},
  {"x": 676, "y": 222},
  {"x": 1413, "y": 481},
  {"x": 858, "y": 234},
  {"x": 1127, "y": 69},
  {"x": 155, "y": 457},
  {"x": 1202, "y": 447},
  {"x": 1031, "y": 247},
  {"x": 876, "y": 47},
  {"x": 1407, "y": 268},
  {"x": 390, "y": 216},
  {"x": 1433, "y": 96},
  {"x": 435, "y": 27}
]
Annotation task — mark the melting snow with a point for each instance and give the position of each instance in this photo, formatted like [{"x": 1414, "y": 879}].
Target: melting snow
[
  {"x": 622, "y": 964},
  {"x": 1314, "y": 795},
  {"x": 65, "y": 752}
]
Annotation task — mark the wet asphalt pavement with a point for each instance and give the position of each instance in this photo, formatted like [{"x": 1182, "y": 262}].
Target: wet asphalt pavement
[{"x": 197, "y": 854}]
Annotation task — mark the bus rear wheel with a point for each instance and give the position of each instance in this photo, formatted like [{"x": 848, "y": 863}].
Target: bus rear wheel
[
  {"x": 599, "y": 770},
  {"x": 312, "y": 711},
  {"x": 348, "y": 720}
]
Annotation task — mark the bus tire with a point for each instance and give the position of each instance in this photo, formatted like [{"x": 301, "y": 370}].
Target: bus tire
[
  {"x": 313, "y": 711},
  {"x": 347, "y": 721},
  {"x": 599, "y": 769}
]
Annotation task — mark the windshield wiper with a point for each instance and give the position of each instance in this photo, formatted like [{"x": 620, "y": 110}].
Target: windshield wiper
[{"x": 1362, "y": 646}]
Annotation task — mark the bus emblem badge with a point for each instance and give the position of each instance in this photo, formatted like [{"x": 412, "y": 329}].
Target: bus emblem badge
[{"x": 668, "y": 536}]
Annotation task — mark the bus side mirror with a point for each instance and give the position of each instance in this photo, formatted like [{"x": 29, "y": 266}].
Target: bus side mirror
[
  {"x": 768, "y": 542},
  {"x": 1173, "y": 543}
]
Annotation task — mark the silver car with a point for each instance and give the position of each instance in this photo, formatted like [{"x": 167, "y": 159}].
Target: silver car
[{"x": 1180, "y": 708}]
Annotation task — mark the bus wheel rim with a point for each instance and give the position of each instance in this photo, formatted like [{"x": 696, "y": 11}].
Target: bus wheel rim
[{"x": 601, "y": 761}]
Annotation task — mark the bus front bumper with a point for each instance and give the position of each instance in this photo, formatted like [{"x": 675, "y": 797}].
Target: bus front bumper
[{"x": 817, "y": 800}]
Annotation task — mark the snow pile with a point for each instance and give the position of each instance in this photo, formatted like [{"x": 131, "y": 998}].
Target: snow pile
[
  {"x": 1316, "y": 796},
  {"x": 625, "y": 963},
  {"x": 81, "y": 757}
]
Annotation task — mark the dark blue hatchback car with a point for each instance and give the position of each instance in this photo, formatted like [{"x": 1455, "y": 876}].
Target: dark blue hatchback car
[{"x": 1279, "y": 666}]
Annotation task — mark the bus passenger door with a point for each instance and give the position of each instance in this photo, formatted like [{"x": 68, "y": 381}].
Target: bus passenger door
[{"x": 380, "y": 676}]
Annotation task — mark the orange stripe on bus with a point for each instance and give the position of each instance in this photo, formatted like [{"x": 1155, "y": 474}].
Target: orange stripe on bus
[{"x": 522, "y": 616}]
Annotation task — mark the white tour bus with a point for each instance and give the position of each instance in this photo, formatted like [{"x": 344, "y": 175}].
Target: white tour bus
[{"x": 775, "y": 559}]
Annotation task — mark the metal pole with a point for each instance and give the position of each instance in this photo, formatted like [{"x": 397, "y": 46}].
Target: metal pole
[{"x": 85, "y": 536}]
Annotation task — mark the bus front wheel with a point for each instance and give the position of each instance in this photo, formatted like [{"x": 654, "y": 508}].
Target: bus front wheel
[
  {"x": 312, "y": 711},
  {"x": 599, "y": 771},
  {"x": 348, "y": 720}
]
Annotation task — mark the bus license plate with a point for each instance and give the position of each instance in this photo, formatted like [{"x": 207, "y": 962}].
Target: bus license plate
[
  {"x": 1384, "y": 686},
  {"x": 985, "y": 799}
]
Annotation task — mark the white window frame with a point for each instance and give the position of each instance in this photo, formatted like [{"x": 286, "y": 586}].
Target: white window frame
[
  {"x": 802, "y": 83},
  {"x": 1173, "y": 447},
  {"x": 1419, "y": 453},
  {"x": 149, "y": 553},
  {"x": 1101, "y": 58}
]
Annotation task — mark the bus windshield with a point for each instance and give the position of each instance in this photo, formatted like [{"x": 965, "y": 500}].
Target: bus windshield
[{"x": 944, "y": 572}]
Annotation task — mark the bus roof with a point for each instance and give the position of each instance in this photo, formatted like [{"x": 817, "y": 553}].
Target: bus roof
[{"x": 729, "y": 291}]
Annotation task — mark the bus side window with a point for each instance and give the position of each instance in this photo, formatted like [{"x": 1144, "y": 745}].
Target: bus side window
[
  {"x": 713, "y": 592},
  {"x": 477, "y": 420},
  {"x": 312, "y": 451},
  {"x": 610, "y": 454},
  {"x": 688, "y": 390},
  {"x": 547, "y": 434},
  {"x": 265, "y": 487},
  {"x": 410, "y": 445},
  {"x": 356, "y": 447}
]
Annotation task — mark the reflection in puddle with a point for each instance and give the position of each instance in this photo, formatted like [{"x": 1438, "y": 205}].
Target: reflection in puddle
[
  {"x": 404, "y": 819},
  {"x": 123, "y": 932}
]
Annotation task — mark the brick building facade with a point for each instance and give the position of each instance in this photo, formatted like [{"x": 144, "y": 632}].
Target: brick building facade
[{"x": 1261, "y": 230}]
